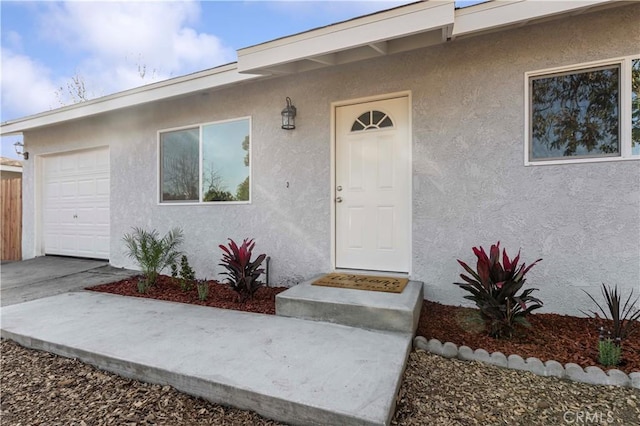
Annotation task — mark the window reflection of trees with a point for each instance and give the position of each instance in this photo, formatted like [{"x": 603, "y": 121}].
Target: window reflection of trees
[
  {"x": 576, "y": 114},
  {"x": 214, "y": 183},
  {"x": 180, "y": 165},
  {"x": 224, "y": 172}
]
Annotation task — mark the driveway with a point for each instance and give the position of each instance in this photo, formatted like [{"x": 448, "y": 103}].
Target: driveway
[{"x": 51, "y": 275}]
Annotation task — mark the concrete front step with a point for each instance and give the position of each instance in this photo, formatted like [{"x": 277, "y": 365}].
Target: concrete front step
[
  {"x": 296, "y": 371},
  {"x": 374, "y": 310}
]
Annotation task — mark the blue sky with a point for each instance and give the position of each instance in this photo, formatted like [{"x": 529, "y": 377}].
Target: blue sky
[{"x": 46, "y": 44}]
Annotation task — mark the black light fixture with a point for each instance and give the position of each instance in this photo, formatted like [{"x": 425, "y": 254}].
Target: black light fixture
[
  {"x": 289, "y": 116},
  {"x": 19, "y": 147}
]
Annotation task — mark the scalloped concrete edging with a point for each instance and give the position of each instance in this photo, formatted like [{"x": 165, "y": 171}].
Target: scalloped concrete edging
[{"x": 591, "y": 375}]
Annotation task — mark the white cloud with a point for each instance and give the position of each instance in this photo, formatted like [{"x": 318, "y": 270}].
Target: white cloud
[
  {"x": 114, "y": 43},
  {"x": 117, "y": 37},
  {"x": 26, "y": 85}
]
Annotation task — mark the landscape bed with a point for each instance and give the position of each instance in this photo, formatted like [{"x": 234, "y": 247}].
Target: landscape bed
[{"x": 561, "y": 338}]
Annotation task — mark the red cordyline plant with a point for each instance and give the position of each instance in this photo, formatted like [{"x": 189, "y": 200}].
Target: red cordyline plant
[
  {"x": 242, "y": 273},
  {"x": 494, "y": 287}
]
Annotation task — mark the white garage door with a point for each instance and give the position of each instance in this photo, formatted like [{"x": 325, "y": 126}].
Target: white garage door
[{"x": 76, "y": 204}]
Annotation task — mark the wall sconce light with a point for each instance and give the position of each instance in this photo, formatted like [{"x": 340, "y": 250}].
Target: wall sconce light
[
  {"x": 289, "y": 116},
  {"x": 19, "y": 147}
]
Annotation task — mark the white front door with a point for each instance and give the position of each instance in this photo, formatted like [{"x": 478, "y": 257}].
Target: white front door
[
  {"x": 372, "y": 193},
  {"x": 75, "y": 203}
]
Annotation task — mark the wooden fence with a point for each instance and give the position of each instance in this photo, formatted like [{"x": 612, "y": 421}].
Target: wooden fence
[{"x": 11, "y": 205}]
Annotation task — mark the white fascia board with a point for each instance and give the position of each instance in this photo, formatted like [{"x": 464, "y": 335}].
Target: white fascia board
[
  {"x": 501, "y": 13},
  {"x": 200, "y": 81},
  {"x": 368, "y": 30},
  {"x": 6, "y": 168}
]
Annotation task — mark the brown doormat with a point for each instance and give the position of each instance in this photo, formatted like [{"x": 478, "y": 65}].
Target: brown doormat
[{"x": 363, "y": 282}]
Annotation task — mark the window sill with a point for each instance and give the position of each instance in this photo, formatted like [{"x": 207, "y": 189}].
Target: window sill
[{"x": 579, "y": 160}]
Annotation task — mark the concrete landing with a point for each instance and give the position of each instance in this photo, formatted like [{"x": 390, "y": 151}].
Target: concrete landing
[
  {"x": 296, "y": 371},
  {"x": 374, "y": 310}
]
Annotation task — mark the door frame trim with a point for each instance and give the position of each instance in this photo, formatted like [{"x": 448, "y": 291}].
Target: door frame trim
[{"x": 332, "y": 192}]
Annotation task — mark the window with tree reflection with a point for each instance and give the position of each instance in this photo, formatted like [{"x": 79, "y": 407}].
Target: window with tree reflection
[
  {"x": 576, "y": 114},
  {"x": 208, "y": 163},
  {"x": 586, "y": 113}
]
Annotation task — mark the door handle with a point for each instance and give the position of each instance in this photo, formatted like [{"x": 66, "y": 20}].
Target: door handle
[{"x": 339, "y": 200}]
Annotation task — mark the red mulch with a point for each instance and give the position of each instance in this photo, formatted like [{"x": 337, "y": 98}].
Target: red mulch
[
  {"x": 220, "y": 295},
  {"x": 551, "y": 336}
]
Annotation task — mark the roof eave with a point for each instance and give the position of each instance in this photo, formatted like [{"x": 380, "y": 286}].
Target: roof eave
[
  {"x": 413, "y": 26},
  {"x": 201, "y": 81}
]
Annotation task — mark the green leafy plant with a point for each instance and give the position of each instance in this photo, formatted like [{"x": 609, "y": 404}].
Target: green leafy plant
[
  {"x": 203, "y": 289},
  {"x": 624, "y": 318},
  {"x": 609, "y": 350},
  {"x": 494, "y": 288},
  {"x": 143, "y": 286},
  {"x": 185, "y": 276},
  {"x": 241, "y": 271},
  {"x": 153, "y": 253}
]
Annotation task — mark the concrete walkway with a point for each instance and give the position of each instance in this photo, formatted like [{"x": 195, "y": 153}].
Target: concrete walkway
[
  {"x": 50, "y": 275},
  {"x": 292, "y": 370}
]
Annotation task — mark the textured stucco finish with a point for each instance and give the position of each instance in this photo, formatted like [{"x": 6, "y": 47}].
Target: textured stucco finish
[{"x": 470, "y": 186}]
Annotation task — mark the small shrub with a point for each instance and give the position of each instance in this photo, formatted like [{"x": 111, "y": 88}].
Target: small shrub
[
  {"x": 609, "y": 350},
  {"x": 242, "y": 273},
  {"x": 152, "y": 253},
  {"x": 203, "y": 289},
  {"x": 494, "y": 287},
  {"x": 143, "y": 286},
  {"x": 185, "y": 276}
]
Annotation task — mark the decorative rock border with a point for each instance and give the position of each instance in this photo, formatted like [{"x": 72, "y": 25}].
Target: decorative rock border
[{"x": 591, "y": 375}]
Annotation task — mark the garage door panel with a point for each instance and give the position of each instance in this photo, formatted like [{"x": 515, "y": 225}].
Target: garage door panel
[
  {"x": 102, "y": 187},
  {"x": 102, "y": 246},
  {"x": 76, "y": 204},
  {"x": 102, "y": 215},
  {"x": 68, "y": 164},
  {"x": 68, "y": 189},
  {"x": 87, "y": 188}
]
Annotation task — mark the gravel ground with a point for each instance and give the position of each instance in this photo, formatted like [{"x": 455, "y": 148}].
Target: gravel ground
[{"x": 38, "y": 388}]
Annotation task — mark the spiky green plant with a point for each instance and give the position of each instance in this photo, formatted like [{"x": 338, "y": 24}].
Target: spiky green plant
[
  {"x": 153, "y": 253},
  {"x": 625, "y": 318}
]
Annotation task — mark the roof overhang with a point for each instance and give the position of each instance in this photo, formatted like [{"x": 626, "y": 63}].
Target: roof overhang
[
  {"x": 203, "y": 81},
  {"x": 396, "y": 30},
  {"x": 404, "y": 28},
  {"x": 502, "y": 14},
  {"x": 392, "y": 31}
]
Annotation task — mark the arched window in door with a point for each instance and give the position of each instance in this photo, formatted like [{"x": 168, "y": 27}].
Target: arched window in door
[{"x": 371, "y": 120}]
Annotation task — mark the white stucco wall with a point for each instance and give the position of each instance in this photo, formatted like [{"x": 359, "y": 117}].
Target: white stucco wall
[{"x": 470, "y": 185}]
